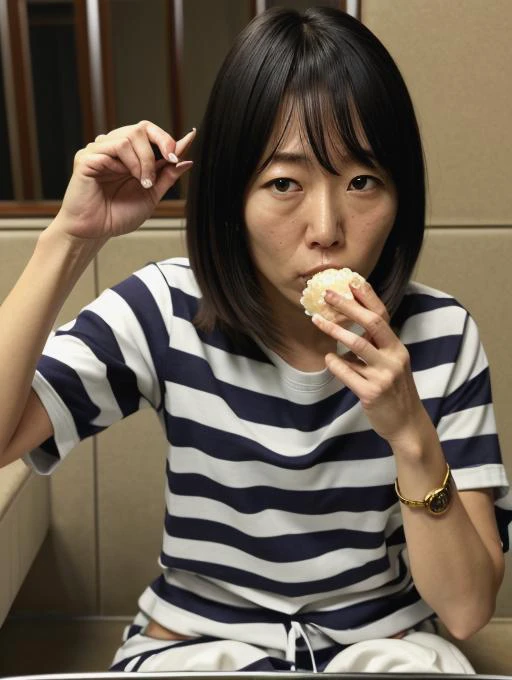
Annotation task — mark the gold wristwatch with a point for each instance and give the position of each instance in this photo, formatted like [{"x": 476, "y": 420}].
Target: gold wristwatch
[{"x": 436, "y": 501}]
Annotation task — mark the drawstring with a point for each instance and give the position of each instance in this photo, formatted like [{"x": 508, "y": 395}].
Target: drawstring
[{"x": 296, "y": 631}]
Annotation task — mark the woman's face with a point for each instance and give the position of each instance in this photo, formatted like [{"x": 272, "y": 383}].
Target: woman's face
[{"x": 301, "y": 219}]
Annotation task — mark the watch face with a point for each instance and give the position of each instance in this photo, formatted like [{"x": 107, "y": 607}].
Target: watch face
[{"x": 438, "y": 501}]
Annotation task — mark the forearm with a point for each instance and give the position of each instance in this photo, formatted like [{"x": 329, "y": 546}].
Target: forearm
[
  {"x": 28, "y": 314},
  {"x": 454, "y": 569}
]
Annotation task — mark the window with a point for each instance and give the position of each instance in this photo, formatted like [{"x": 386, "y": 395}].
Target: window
[{"x": 72, "y": 69}]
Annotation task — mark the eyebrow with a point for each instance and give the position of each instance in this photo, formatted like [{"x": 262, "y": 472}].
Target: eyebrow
[
  {"x": 290, "y": 157},
  {"x": 301, "y": 158}
]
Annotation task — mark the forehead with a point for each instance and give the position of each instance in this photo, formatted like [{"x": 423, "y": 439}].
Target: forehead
[{"x": 315, "y": 137}]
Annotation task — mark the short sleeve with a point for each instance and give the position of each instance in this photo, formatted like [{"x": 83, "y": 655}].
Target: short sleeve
[
  {"x": 467, "y": 427},
  {"x": 104, "y": 365}
]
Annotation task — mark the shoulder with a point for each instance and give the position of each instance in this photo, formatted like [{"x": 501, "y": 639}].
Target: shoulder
[
  {"x": 175, "y": 273},
  {"x": 157, "y": 282},
  {"x": 430, "y": 311}
]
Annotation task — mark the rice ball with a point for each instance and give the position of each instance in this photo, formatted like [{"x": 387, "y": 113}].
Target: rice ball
[{"x": 333, "y": 279}]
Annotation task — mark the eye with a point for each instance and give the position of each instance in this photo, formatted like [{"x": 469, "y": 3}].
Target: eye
[
  {"x": 283, "y": 185},
  {"x": 363, "y": 183}
]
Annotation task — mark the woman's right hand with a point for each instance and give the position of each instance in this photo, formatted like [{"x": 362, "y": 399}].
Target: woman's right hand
[{"x": 117, "y": 182}]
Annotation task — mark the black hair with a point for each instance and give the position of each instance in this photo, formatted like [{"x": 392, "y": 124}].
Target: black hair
[{"x": 333, "y": 70}]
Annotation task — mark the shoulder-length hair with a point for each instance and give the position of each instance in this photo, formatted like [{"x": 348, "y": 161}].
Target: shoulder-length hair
[{"x": 334, "y": 70}]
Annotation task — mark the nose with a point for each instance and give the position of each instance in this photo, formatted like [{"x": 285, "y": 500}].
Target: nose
[{"x": 325, "y": 221}]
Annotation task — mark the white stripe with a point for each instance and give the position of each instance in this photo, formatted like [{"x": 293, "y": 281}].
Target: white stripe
[
  {"x": 433, "y": 324},
  {"x": 481, "y": 477},
  {"x": 313, "y": 602},
  {"x": 93, "y": 376},
  {"x": 471, "y": 422},
  {"x": 268, "y": 523},
  {"x": 399, "y": 620},
  {"x": 328, "y": 565},
  {"x": 246, "y": 474},
  {"x": 212, "y": 411},
  {"x": 152, "y": 278},
  {"x": 119, "y": 316},
  {"x": 180, "y": 276},
  {"x": 65, "y": 432},
  {"x": 472, "y": 360},
  {"x": 258, "y": 376}
]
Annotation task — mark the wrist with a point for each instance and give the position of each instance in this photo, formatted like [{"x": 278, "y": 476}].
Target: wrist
[
  {"x": 415, "y": 439},
  {"x": 58, "y": 239}
]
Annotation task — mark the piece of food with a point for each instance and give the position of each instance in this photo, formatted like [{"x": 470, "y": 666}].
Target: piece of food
[{"x": 333, "y": 279}]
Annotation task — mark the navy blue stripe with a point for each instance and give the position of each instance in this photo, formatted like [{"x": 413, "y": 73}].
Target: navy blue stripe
[
  {"x": 344, "y": 618},
  {"x": 503, "y": 519},
  {"x": 471, "y": 452},
  {"x": 66, "y": 381},
  {"x": 475, "y": 392},
  {"x": 136, "y": 294},
  {"x": 194, "y": 372},
  {"x": 268, "y": 664},
  {"x": 364, "y": 612},
  {"x": 215, "y": 611},
  {"x": 50, "y": 447},
  {"x": 284, "y": 548},
  {"x": 434, "y": 352},
  {"x": 228, "y": 446},
  {"x": 248, "y": 579},
  {"x": 185, "y": 307},
  {"x": 254, "y": 499},
  {"x": 419, "y": 303},
  {"x": 397, "y": 537},
  {"x": 121, "y": 665},
  {"x": 97, "y": 335}
]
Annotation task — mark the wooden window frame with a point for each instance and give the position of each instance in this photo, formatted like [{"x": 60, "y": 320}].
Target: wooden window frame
[{"x": 93, "y": 24}]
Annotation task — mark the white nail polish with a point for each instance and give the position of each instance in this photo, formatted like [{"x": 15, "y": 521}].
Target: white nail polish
[
  {"x": 146, "y": 183},
  {"x": 172, "y": 158}
]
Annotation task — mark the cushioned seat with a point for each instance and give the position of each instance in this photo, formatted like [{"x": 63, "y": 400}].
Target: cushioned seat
[{"x": 24, "y": 521}]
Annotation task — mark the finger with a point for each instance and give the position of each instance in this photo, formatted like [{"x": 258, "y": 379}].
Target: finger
[
  {"x": 142, "y": 136},
  {"x": 359, "y": 346},
  {"x": 377, "y": 328},
  {"x": 344, "y": 371},
  {"x": 116, "y": 154},
  {"x": 367, "y": 297},
  {"x": 184, "y": 143},
  {"x": 169, "y": 175}
]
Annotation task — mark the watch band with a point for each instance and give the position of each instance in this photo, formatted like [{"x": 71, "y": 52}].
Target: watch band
[{"x": 436, "y": 501}]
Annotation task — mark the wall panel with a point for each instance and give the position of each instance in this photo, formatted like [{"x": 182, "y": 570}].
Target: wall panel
[
  {"x": 456, "y": 58},
  {"x": 67, "y": 559}
]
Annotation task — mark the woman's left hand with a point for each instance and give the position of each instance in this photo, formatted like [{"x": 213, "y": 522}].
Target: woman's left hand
[{"x": 378, "y": 369}]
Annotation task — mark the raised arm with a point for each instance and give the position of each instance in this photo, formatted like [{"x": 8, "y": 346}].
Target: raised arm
[
  {"x": 115, "y": 186},
  {"x": 456, "y": 557}
]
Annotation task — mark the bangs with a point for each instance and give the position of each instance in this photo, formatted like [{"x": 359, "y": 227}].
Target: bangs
[{"x": 330, "y": 126}]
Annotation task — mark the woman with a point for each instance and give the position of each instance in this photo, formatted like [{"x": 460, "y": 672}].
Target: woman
[{"x": 330, "y": 488}]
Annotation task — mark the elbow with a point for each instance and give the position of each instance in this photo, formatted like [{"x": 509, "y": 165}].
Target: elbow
[{"x": 464, "y": 623}]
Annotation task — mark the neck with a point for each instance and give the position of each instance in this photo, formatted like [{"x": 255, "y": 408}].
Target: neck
[{"x": 304, "y": 345}]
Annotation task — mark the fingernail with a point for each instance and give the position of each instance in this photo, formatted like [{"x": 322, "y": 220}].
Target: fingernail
[
  {"x": 172, "y": 158},
  {"x": 146, "y": 183},
  {"x": 184, "y": 164},
  {"x": 189, "y": 134}
]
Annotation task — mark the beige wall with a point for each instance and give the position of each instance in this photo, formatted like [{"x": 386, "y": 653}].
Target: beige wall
[{"x": 456, "y": 58}]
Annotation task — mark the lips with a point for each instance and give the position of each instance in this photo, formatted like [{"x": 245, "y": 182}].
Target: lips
[{"x": 314, "y": 270}]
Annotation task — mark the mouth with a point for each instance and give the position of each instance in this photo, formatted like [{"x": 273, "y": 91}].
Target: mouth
[{"x": 305, "y": 276}]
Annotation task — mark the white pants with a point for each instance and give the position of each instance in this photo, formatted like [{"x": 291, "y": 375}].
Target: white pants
[
  {"x": 417, "y": 652},
  {"x": 414, "y": 653}
]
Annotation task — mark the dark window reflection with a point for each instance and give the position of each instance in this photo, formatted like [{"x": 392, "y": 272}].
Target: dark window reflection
[
  {"x": 6, "y": 186},
  {"x": 56, "y": 94}
]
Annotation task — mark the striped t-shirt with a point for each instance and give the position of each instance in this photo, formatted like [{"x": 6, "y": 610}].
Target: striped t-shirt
[{"x": 280, "y": 501}]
